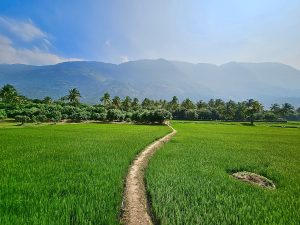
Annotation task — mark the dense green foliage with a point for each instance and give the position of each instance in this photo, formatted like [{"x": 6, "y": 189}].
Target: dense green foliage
[
  {"x": 25, "y": 110},
  {"x": 189, "y": 179},
  {"x": 148, "y": 111},
  {"x": 2, "y": 114},
  {"x": 67, "y": 174}
]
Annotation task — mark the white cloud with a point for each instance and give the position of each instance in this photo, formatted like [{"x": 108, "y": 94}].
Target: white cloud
[
  {"x": 26, "y": 30},
  {"x": 37, "y": 50},
  {"x": 9, "y": 54},
  {"x": 4, "y": 40},
  {"x": 124, "y": 58}
]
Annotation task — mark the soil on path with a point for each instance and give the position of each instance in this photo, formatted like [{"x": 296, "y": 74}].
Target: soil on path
[{"x": 135, "y": 206}]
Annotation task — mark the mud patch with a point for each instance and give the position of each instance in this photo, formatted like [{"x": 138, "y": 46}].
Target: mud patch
[{"x": 254, "y": 179}]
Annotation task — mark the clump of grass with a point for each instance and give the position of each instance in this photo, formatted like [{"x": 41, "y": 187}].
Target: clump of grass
[{"x": 254, "y": 178}]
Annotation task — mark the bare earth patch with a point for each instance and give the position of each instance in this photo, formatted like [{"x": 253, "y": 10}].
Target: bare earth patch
[
  {"x": 135, "y": 206},
  {"x": 254, "y": 178}
]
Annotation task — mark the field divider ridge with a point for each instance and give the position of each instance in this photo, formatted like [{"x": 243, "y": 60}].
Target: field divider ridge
[{"x": 135, "y": 206}]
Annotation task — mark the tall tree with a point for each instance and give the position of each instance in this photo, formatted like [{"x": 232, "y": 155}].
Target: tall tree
[
  {"x": 126, "y": 103},
  {"x": 220, "y": 108},
  {"x": 162, "y": 103},
  {"x": 275, "y": 108},
  {"x": 105, "y": 99},
  {"x": 147, "y": 103},
  {"x": 219, "y": 103},
  {"x": 252, "y": 107},
  {"x": 286, "y": 109},
  {"x": 8, "y": 94},
  {"x": 201, "y": 105},
  {"x": 135, "y": 103},
  {"x": 174, "y": 104},
  {"x": 188, "y": 104},
  {"x": 47, "y": 100},
  {"x": 240, "y": 113},
  {"x": 74, "y": 96},
  {"x": 116, "y": 102},
  {"x": 211, "y": 103},
  {"x": 230, "y": 110}
]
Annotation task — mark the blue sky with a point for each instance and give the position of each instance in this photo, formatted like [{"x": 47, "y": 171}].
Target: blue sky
[{"x": 51, "y": 31}]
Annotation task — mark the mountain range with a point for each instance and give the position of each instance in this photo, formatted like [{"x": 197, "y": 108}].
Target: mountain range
[{"x": 266, "y": 82}]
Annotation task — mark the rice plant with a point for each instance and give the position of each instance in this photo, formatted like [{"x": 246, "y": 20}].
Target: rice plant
[
  {"x": 189, "y": 180},
  {"x": 67, "y": 174}
]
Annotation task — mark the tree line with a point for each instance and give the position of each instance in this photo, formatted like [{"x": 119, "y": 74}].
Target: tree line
[{"x": 69, "y": 108}]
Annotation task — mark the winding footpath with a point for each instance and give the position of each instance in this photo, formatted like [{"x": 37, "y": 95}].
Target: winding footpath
[{"x": 135, "y": 206}]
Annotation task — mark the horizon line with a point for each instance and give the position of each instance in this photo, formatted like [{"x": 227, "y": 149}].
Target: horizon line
[{"x": 157, "y": 59}]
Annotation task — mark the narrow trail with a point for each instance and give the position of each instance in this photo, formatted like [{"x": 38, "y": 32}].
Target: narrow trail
[{"x": 135, "y": 206}]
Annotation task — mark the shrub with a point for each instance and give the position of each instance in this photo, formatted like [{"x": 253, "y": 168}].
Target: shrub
[
  {"x": 69, "y": 110},
  {"x": 64, "y": 116},
  {"x": 12, "y": 113},
  {"x": 30, "y": 112},
  {"x": 99, "y": 116},
  {"x": 204, "y": 114},
  {"x": 98, "y": 109},
  {"x": 137, "y": 116},
  {"x": 156, "y": 116},
  {"x": 22, "y": 119},
  {"x": 128, "y": 115},
  {"x": 145, "y": 116},
  {"x": 184, "y": 114},
  {"x": 269, "y": 116},
  {"x": 115, "y": 115},
  {"x": 41, "y": 118},
  {"x": 79, "y": 116},
  {"x": 191, "y": 115},
  {"x": 179, "y": 114},
  {"x": 55, "y": 116},
  {"x": 159, "y": 116},
  {"x": 3, "y": 114}
]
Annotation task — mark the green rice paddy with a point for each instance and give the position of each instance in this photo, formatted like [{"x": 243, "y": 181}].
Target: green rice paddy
[
  {"x": 67, "y": 174},
  {"x": 189, "y": 180},
  {"x": 74, "y": 173}
]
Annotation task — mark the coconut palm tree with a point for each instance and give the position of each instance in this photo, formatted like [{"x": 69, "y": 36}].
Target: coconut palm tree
[
  {"x": 286, "y": 109},
  {"x": 188, "y": 104},
  {"x": 135, "y": 104},
  {"x": 275, "y": 108},
  {"x": 8, "y": 93},
  {"x": 126, "y": 103},
  {"x": 174, "y": 103},
  {"x": 116, "y": 102},
  {"x": 47, "y": 100},
  {"x": 252, "y": 107},
  {"x": 105, "y": 99},
  {"x": 74, "y": 95}
]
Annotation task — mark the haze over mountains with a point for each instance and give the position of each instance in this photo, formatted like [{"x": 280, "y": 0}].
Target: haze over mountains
[{"x": 267, "y": 82}]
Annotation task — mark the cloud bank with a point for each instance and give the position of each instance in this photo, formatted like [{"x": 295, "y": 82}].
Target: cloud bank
[{"x": 25, "y": 43}]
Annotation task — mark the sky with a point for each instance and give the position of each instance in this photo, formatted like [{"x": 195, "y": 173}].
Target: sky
[{"x": 42, "y": 32}]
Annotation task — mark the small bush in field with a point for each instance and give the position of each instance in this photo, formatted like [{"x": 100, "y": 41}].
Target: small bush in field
[{"x": 22, "y": 119}]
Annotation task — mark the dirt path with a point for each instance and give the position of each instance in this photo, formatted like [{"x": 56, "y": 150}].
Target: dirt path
[{"x": 135, "y": 206}]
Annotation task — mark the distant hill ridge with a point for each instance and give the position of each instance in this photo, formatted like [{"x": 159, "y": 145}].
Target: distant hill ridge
[{"x": 267, "y": 82}]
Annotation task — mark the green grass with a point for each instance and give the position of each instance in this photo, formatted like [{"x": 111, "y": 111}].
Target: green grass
[
  {"x": 8, "y": 123},
  {"x": 67, "y": 174},
  {"x": 289, "y": 124},
  {"x": 189, "y": 179}
]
